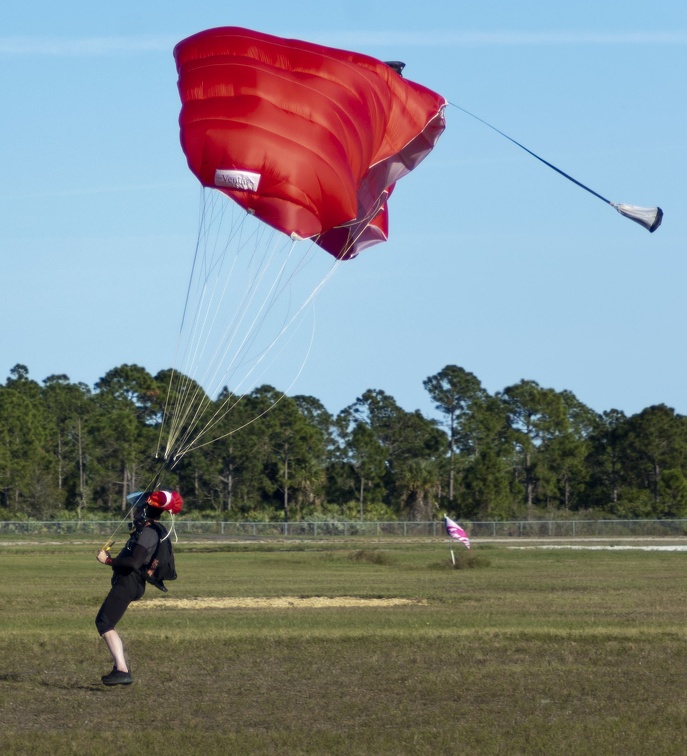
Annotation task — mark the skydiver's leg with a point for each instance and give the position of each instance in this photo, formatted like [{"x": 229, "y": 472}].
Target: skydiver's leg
[
  {"x": 125, "y": 589},
  {"x": 116, "y": 648}
]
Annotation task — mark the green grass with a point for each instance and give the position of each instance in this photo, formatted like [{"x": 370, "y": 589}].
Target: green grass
[{"x": 517, "y": 652}]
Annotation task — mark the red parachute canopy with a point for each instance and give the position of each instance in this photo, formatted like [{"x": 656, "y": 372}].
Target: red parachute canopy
[{"x": 308, "y": 138}]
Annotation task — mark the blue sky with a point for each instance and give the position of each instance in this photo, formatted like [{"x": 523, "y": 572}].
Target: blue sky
[{"x": 495, "y": 263}]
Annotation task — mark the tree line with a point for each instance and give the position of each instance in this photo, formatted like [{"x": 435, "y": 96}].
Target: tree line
[{"x": 67, "y": 450}]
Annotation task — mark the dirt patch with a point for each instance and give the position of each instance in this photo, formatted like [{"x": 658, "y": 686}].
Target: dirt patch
[{"x": 276, "y": 602}]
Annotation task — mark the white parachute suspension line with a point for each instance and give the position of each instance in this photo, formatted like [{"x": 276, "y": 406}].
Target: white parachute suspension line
[
  {"x": 223, "y": 410},
  {"x": 250, "y": 332},
  {"x": 219, "y": 414},
  {"x": 219, "y": 357},
  {"x": 247, "y": 339},
  {"x": 257, "y": 417},
  {"x": 194, "y": 398},
  {"x": 183, "y": 380},
  {"x": 234, "y": 398},
  {"x": 188, "y": 413},
  {"x": 165, "y": 410},
  {"x": 191, "y": 398},
  {"x": 249, "y": 313}
]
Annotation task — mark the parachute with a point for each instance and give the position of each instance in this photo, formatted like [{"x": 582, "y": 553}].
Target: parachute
[
  {"x": 308, "y": 143},
  {"x": 308, "y": 138}
]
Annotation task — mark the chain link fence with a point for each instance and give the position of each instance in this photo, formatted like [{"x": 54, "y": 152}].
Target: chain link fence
[{"x": 484, "y": 530}]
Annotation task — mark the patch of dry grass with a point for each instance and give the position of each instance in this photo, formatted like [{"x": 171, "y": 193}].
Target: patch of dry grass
[{"x": 273, "y": 602}]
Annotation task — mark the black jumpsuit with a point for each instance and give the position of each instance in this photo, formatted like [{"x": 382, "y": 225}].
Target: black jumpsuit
[{"x": 127, "y": 579}]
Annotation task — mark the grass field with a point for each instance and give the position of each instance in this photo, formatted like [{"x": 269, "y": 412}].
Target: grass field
[{"x": 521, "y": 651}]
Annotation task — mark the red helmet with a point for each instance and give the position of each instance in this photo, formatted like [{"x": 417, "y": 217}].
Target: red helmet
[{"x": 169, "y": 501}]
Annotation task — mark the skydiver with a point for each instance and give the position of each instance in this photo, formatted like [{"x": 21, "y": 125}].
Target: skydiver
[{"x": 128, "y": 569}]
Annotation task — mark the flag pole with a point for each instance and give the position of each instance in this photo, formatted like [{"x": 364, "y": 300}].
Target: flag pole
[{"x": 455, "y": 531}]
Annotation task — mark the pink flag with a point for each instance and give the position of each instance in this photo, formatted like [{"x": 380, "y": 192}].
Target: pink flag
[{"x": 455, "y": 531}]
